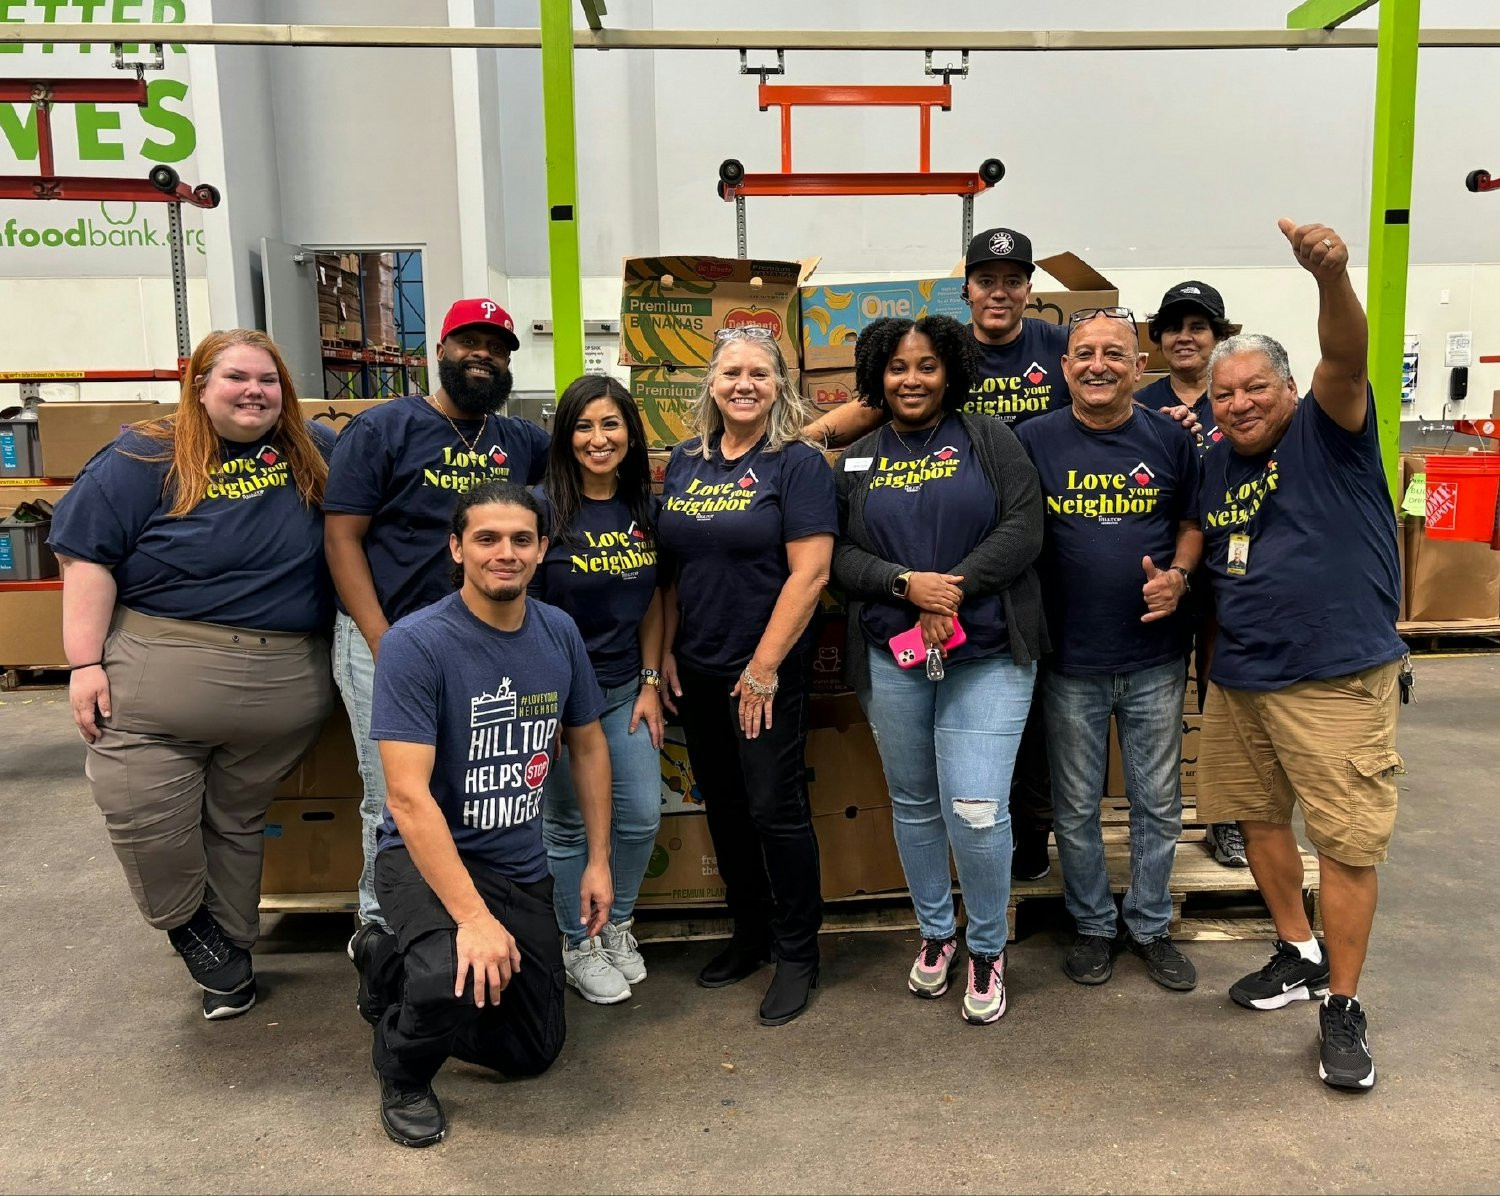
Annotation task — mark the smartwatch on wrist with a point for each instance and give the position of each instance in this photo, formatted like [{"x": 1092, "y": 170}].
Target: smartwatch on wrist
[{"x": 901, "y": 582}]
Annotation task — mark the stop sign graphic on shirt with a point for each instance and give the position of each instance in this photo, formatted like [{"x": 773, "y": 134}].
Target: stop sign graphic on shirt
[{"x": 536, "y": 770}]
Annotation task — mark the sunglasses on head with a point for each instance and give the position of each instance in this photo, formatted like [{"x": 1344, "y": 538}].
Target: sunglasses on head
[
  {"x": 749, "y": 332},
  {"x": 1088, "y": 313}
]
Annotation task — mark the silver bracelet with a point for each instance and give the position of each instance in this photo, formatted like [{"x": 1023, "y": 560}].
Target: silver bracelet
[{"x": 758, "y": 688}]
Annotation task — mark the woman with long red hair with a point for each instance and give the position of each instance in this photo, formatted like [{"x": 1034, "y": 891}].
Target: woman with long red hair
[{"x": 196, "y": 606}]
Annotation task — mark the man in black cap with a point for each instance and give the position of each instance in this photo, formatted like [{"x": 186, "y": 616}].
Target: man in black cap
[
  {"x": 1188, "y": 325},
  {"x": 1022, "y": 357}
]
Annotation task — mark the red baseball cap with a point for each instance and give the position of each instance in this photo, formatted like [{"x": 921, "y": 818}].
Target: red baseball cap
[{"x": 480, "y": 311}]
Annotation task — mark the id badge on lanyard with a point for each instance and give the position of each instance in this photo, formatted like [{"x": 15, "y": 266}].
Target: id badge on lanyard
[{"x": 1239, "y": 555}]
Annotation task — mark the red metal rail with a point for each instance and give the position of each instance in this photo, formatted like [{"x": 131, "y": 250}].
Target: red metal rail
[{"x": 734, "y": 182}]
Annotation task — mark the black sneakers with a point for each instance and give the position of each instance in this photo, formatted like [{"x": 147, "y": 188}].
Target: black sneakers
[
  {"x": 1344, "y": 1045},
  {"x": 1226, "y": 844},
  {"x": 218, "y": 1006},
  {"x": 1165, "y": 964},
  {"x": 411, "y": 1116},
  {"x": 1091, "y": 959},
  {"x": 1029, "y": 858},
  {"x": 214, "y": 962},
  {"x": 361, "y": 950},
  {"x": 1287, "y": 977}
]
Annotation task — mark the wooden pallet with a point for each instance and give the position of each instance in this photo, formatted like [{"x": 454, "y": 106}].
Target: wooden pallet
[
  {"x": 309, "y": 903},
  {"x": 849, "y": 915},
  {"x": 1451, "y": 635},
  {"x": 1209, "y": 901}
]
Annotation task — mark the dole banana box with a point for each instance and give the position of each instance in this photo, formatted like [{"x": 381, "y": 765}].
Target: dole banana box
[
  {"x": 828, "y": 389},
  {"x": 671, "y": 307},
  {"x": 665, "y": 395},
  {"x": 834, "y": 316}
]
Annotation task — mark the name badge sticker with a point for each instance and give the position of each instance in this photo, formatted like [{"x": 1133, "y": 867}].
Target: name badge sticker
[{"x": 857, "y": 464}]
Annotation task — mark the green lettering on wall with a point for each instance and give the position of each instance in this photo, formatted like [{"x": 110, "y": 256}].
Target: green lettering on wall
[
  {"x": 19, "y": 133},
  {"x": 92, "y": 121},
  {"x": 183, "y": 136}
]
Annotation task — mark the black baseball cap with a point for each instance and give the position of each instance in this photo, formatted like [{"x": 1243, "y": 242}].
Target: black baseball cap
[
  {"x": 1000, "y": 245},
  {"x": 1194, "y": 294}
]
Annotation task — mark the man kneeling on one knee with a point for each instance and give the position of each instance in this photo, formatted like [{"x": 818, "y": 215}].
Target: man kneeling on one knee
[
  {"x": 470, "y": 694},
  {"x": 1121, "y": 489}
]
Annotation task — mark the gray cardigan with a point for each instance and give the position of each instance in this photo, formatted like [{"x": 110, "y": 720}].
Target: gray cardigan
[{"x": 1001, "y": 563}]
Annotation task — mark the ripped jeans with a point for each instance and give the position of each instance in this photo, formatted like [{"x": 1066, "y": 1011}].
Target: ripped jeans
[{"x": 948, "y": 749}]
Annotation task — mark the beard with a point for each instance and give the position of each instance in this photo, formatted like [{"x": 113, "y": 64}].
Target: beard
[
  {"x": 472, "y": 396},
  {"x": 498, "y": 593}
]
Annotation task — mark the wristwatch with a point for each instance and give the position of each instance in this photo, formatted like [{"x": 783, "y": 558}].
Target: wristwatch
[
  {"x": 651, "y": 677},
  {"x": 1187, "y": 583},
  {"x": 902, "y": 580}
]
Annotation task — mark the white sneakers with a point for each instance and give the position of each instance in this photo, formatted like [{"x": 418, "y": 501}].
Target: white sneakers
[
  {"x": 602, "y": 969},
  {"x": 621, "y": 949}
]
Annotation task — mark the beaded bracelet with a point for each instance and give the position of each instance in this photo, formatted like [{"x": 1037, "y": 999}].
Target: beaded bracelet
[{"x": 758, "y": 688}]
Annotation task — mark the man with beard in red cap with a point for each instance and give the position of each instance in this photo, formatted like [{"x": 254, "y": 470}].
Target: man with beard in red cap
[{"x": 395, "y": 476}]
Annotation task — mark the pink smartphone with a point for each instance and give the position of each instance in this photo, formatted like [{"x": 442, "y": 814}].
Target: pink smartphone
[{"x": 910, "y": 651}]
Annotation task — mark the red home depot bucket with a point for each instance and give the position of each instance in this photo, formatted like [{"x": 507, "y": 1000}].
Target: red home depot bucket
[{"x": 1462, "y": 494}]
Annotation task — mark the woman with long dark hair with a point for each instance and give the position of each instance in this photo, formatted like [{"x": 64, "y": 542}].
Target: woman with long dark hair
[
  {"x": 196, "y": 610},
  {"x": 600, "y": 568}
]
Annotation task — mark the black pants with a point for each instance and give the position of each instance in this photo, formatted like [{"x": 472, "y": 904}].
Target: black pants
[
  {"x": 416, "y": 965},
  {"x": 755, "y": 796},
  {"x": 1031, "y": 783}
]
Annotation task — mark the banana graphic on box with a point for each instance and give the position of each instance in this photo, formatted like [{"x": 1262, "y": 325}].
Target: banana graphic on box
[{"x": 818, "y": 316}]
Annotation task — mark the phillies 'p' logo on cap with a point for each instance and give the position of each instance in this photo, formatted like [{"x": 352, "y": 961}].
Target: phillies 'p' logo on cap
[{"x": 467, "y": 313}]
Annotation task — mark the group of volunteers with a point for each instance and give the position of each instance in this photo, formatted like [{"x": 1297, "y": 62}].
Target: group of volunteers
[{"x": 1027, "y": 544}]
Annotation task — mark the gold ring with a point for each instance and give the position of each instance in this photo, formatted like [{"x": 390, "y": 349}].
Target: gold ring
[{"x": 1328, "y": 242}]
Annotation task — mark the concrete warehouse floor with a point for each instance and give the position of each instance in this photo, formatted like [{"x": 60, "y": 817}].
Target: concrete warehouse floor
[{"x": 113, "y": 1081}]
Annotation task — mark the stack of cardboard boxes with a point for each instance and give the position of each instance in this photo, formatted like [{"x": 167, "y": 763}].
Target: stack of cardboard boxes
[
  {"x": 379, "y": 289},
  {"x": 339, "y": 316}
]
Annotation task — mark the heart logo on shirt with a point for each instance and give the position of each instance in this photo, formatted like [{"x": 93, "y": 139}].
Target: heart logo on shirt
[
  {"x": 946, "y": 453},
  {"x": 267, "y": 455},
  {"x": 634, "y": 532},
  {"x": 1035, "y": 374},
  {"x": 497, "y": 454},
  {"x": 1142, "y": 474},
  {"x": 748, "y": 480},
  {"x": 1215, "y": 435}
]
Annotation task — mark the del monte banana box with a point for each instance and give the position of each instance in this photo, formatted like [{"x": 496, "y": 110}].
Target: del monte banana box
[
  {"x": 833, "y": 316},
  {"x": 671, "y": 307}
]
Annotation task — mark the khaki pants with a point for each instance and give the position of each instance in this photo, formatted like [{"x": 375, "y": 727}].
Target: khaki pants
[{"x": 206, "y": 722}]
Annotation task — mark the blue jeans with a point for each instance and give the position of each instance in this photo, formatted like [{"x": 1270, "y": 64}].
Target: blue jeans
[
  {"x": 1147, "y": 705},
  {"x": 635, "y": 814},
  {"x": 354, "y": 674},
  {"x": 948, "y": 749}
]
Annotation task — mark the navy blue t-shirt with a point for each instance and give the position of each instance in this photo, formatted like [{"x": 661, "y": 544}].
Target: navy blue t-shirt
[
  {"x": 603, "y": 574},
  {"x": 1321, "y": 585},
  {"x": 1159, "y": 396},
  {"x": 1023, "y": 379},
  {"x": 403, "y": 464},
  {"x": 1111, "y": 498},
  {"x": 927, "y": 509},
  {"x": 491, "y": 703},
  {"x": 250, "y": 554},
  {"x": 726, "y": 524}
]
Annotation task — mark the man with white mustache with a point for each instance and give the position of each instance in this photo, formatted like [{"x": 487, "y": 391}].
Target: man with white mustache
[{"x": 396, "y": 474}]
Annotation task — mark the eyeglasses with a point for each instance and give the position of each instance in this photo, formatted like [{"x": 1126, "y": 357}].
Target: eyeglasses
[
  {"x": 1088, "y": 313},
  {"x": 751, "y": 332}
]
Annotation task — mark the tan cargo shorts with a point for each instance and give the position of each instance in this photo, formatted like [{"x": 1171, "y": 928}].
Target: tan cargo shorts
[{"x": 1328, "y": 745}]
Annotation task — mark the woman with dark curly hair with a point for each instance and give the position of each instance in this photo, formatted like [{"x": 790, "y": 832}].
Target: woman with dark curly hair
[{"x": 940, "y": 519}]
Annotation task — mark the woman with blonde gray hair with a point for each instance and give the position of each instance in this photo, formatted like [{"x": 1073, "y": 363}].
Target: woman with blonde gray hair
[
  {"x": 196, "y": 606},
  {"x": 748, "y": 519}
]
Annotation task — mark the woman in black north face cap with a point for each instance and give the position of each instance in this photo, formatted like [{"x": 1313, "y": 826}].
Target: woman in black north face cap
[{"x": 1187, "y": 327}]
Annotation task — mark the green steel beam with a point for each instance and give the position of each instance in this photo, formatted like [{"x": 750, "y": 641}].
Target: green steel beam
[
  {"x": 1325, "y": 14},
  {"x": 1390, "y": 212},
  {"x": 562, "y": 191}
]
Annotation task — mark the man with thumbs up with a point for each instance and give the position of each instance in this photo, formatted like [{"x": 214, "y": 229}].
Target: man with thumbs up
[
  {"x": 1120, "y": 484},
  {"x": 1307, "y": 669}
]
